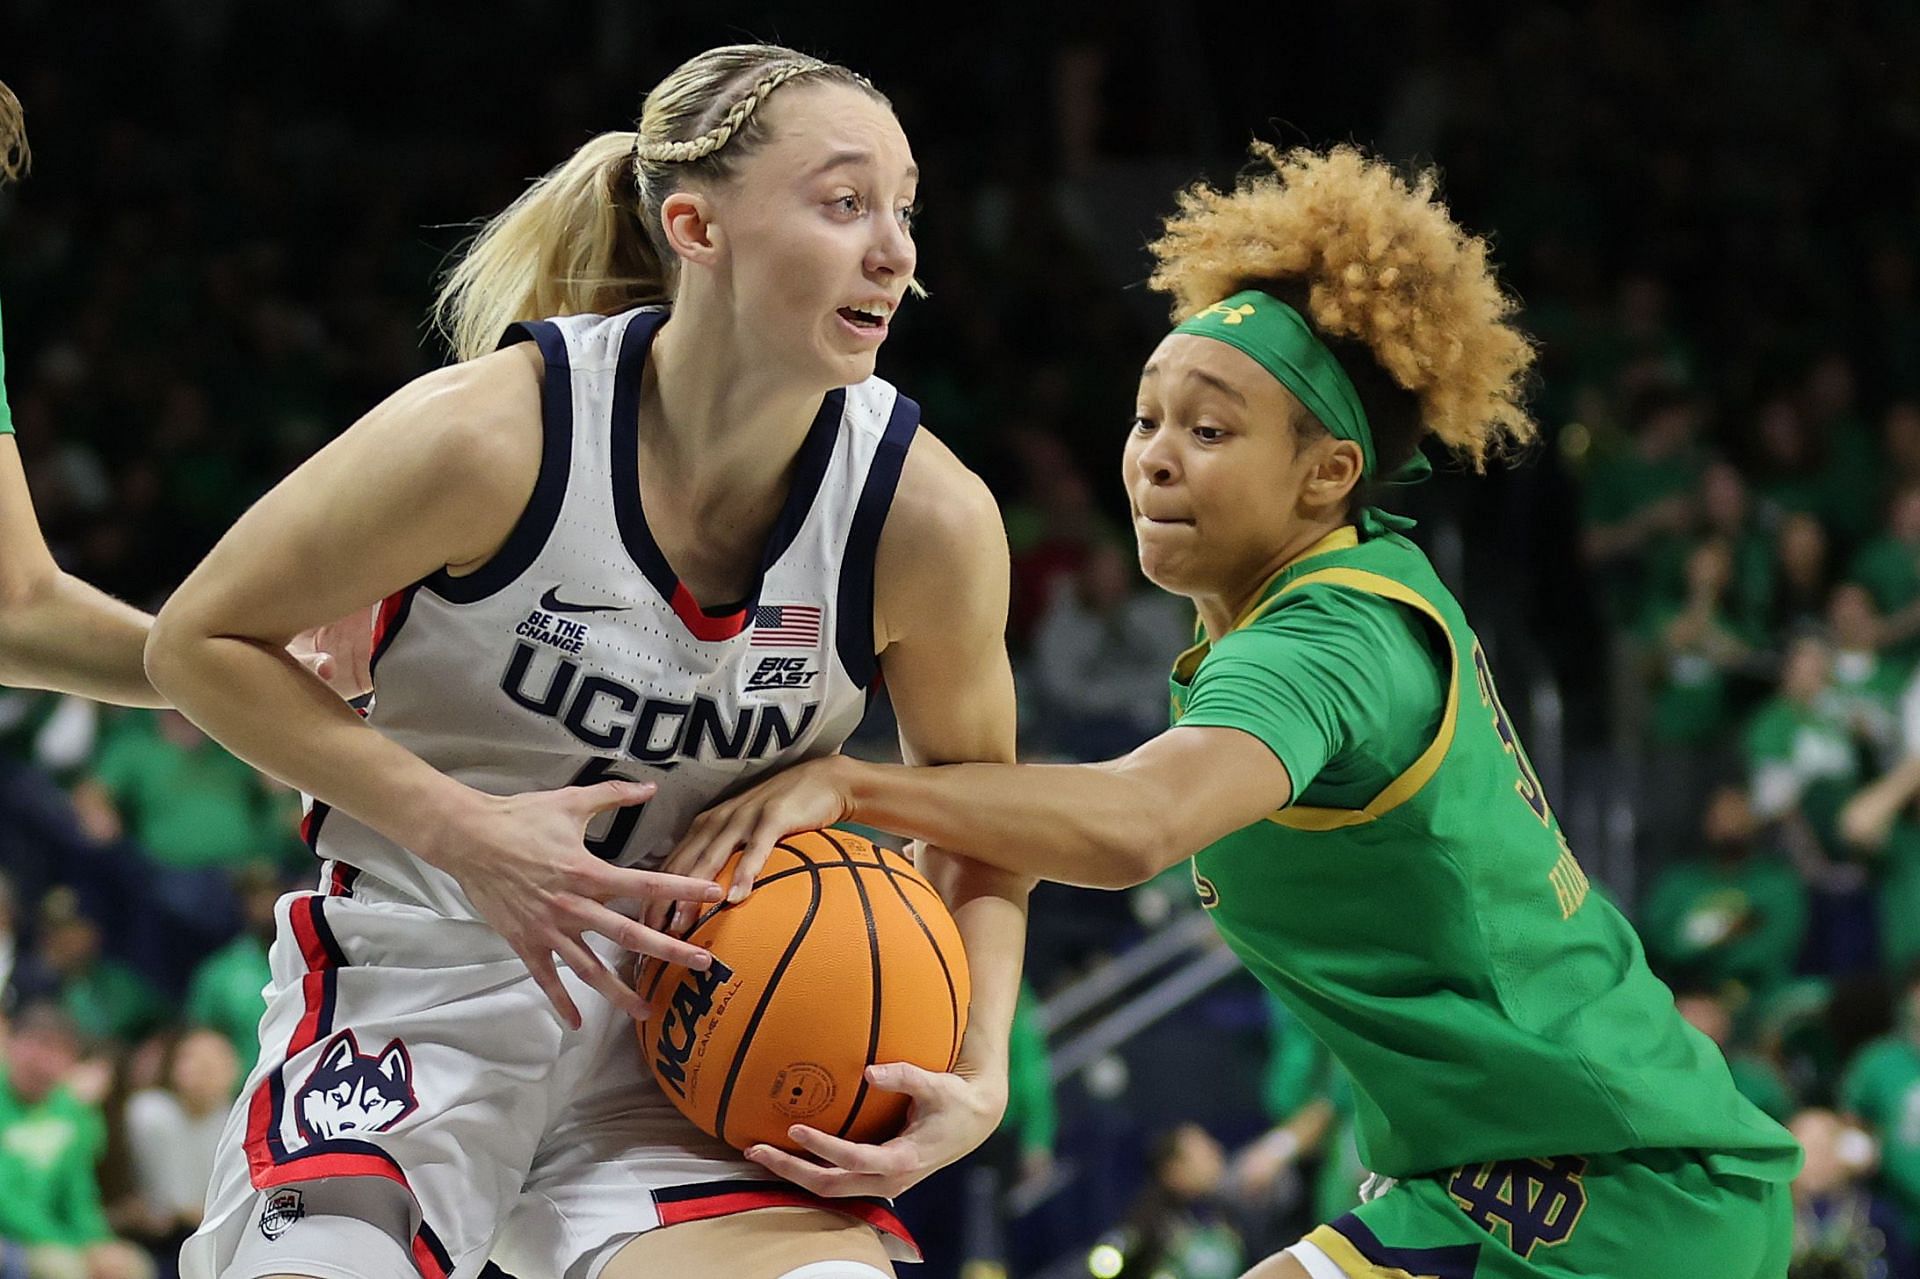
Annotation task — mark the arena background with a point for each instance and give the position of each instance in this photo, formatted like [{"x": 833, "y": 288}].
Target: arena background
[{"x": 1699, "y": 593}]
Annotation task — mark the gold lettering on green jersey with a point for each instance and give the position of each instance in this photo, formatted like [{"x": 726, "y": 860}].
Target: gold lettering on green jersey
[{"x": 1569, "y": 881}]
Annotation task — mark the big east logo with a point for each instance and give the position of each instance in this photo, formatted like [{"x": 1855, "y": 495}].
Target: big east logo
[{"x": 691, "y": 1000}]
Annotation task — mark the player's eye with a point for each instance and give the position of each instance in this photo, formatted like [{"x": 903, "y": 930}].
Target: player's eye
[
  {"x": 1144, "y": 425},
  {"x": 847, "y": 204},
  {"x": 1209, "y": 434},
  {"x": 909, "y": 214}
]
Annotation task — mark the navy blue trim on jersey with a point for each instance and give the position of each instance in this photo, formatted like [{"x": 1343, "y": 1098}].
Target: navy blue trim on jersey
[
  {"x": 853, "y": 611},
  {"x": 1455, "y": 1261},
  {"x": 522, "y": 547},
  {"x": 809, "y": 471}
]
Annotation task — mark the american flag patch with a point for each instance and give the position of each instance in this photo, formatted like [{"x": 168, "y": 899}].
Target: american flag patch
[{"x": 785, "y": 626}]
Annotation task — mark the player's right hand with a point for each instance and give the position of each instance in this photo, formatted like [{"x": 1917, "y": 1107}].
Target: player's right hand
[{"x": 523, "y": 863}]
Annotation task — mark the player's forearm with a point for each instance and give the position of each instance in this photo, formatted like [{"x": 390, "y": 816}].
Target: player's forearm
[
  {"x": 989, "y": 907},
  {"x": 1086, "y": 824},
  {"x": 262, "y": 705},
  {"x": 60, "y": 633}
]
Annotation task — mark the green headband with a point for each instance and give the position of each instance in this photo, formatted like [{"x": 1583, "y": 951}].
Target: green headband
[{"x": 1282, "y": 342}]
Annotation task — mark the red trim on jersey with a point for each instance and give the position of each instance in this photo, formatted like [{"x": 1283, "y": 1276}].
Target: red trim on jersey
[
  {"x": 704, "y": 625},
  {"x": 423, "y": 1257},
  {"x": 340, "y": 879},
  {"x": 383, "y": 619},
  {"x": 724, "y": 1203}
]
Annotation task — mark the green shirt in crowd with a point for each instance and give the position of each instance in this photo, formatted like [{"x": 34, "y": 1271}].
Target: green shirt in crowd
[
  {"x": 1031, "y": 1113},
  {"x": 188, "y": 808},
  {"x": 112, "y": 1001},
  {"x": 1882, "y": 1086},
  {"x": 1898, "y": 898},
  {"x": 1802, "y": 757},
  {"x": 1693, "y": 703},
  {"x": 48, "y": 1148},
  {"x": 1416, "y": 905},
  {"x": 1717, "y": 922},
  {"x": 226, "y": 994}
]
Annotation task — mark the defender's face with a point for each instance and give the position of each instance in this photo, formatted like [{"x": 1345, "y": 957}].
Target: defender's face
[
  {"x": 817, "y": 234},
  {"x": 1213, "y": 467}
]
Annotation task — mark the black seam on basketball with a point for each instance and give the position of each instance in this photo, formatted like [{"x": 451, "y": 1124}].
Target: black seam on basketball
[
  {"x": 953, "y": 996},
  {"x": 873, "y": 960},
  {"x": 760, "y": 1009},
  {"x": 812, "y": 868}
]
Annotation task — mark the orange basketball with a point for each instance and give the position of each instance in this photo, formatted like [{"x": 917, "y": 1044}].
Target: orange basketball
[{"x": 842, "y": 956}]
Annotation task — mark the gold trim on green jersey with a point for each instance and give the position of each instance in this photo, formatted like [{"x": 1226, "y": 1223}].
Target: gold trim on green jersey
[
  {"x": 1343, "y": 538},
  {"x": 1352, "y": 1262},
  {"x": 1421, "y": 771}
]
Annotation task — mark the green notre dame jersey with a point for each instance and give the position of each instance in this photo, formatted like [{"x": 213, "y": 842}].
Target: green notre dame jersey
[
  {"x": 1417, "y": 905},
  {"x": 6, "y": 414}
]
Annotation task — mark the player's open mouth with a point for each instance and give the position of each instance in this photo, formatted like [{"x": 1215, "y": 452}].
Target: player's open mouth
[{"x": 872, "y": 317}]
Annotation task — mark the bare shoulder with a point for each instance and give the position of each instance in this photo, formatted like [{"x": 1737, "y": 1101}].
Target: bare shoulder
[
  {"x": 943, "y": 552},
  {"x": 940, "y": 509},
  {"x": 477, "y": 422}
]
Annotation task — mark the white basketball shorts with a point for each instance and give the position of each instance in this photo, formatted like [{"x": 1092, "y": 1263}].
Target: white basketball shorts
[{"x": 403, "y": 1045}]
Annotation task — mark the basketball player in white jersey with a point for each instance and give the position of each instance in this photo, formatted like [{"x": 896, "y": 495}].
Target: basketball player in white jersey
[
  {"x": 60, "y": 633},
  {"x": 631, "y": 560}
]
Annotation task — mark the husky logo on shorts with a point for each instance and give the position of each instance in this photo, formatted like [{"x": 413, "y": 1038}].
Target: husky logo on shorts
[
  {"x": 351, "y": 1093},
  {"x": 283, "y": 1208}
]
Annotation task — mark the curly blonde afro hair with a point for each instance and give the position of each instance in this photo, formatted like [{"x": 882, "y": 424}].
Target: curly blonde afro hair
[
  {"x": 14, "y": 156},
  {"x": 1381, "y": 262}
]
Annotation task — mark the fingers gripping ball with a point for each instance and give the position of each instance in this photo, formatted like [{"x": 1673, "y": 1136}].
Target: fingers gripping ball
[{"x": 843, "y": 956}]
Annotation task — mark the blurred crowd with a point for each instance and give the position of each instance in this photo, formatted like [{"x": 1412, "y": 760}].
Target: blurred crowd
[{"x": 1713, "y": 560}]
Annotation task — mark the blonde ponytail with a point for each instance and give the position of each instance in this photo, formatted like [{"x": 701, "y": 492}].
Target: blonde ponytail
[
  {"x": 15, "y": 158},
  {"x": 585, "y": 238},
  {"x": 572, "y": 244}
]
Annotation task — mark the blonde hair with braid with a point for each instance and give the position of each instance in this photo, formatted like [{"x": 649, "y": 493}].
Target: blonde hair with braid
[
  {"x": 15, "y": 158},
  {"x": 586, "y": 238}
]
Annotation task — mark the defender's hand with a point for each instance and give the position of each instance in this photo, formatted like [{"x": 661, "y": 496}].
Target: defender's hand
[{"x": 804, "y": 797}]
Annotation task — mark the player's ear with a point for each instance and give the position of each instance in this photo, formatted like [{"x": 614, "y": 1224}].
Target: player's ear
[
  {"x": 1333, "y": 470},
  {"x": 686, "y": 219}
]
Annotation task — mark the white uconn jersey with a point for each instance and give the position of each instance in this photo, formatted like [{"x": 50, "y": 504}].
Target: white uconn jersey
[{"x": 574, "y": 655}]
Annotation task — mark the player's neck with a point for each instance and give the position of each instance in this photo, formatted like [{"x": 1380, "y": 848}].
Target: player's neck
[
  {"x": 717, "y": 424},
  {"x": 1221, "y": 610}
]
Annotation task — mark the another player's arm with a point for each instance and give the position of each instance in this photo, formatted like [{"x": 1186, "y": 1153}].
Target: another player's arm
[
  {"x": 1106, "y": 825},
  {"x": 57, "y": 632},
  {"x": 434, "y": 477}
]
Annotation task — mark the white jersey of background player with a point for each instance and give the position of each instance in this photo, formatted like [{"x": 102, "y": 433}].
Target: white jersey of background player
[{"x": 417, "y": 1104}]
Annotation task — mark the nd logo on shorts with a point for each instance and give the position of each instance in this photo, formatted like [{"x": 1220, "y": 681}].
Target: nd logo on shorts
[
  {"x": 1538, "y": 1201},
  {"x": 352, "y": 1093}
]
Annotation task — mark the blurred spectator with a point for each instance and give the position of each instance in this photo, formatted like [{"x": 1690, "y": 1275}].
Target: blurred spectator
[
  {"x": 1867, "y": 685},
  {"x": 1889, "y": 567},
  {"x": 1882, "y": 1089},
  {"x": 1829, "y": 404},
  {"x": 225, "y": 993},
  {"x": 198, "y": 814},
  {"x": 1841, "y": 1229},
  {"x": 1733, "y": 914},
  {"x": 1802, "y": 578},
  {"x": 1643, "y": 500},
  {"x": 173, "y": 1133},
  {"x": 49, "y": 1141},
  {"x": 9, "y": 942},
  {"x": 106, "y": 998},
  {"x": 1900, "y": 446},
  {"x": 1052, "y": 528},
  {"x": 1701, "y": 645},
  {"x": 1308, "y": 1098},
  {"x": 1880, "y": 822},
  {"x": 1800, "y": 756},
  {"x": 1031, "y": 1113},
  {"x": 1760, "y": 1081},
  {"x": 1179, "y": 1225},
  {"x": 1098, "y": 671}
]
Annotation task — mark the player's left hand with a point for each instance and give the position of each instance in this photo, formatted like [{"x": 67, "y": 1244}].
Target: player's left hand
[
  {"x": 948, "y": 1116},
  {"x": 804, "y": 797},
  {"x": 341, "y": 653}
]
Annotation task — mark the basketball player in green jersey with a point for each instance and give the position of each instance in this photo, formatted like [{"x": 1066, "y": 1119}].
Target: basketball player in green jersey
[
  {"x": 56, "y": 631},
  {"x": 1364, "y": 826}
]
